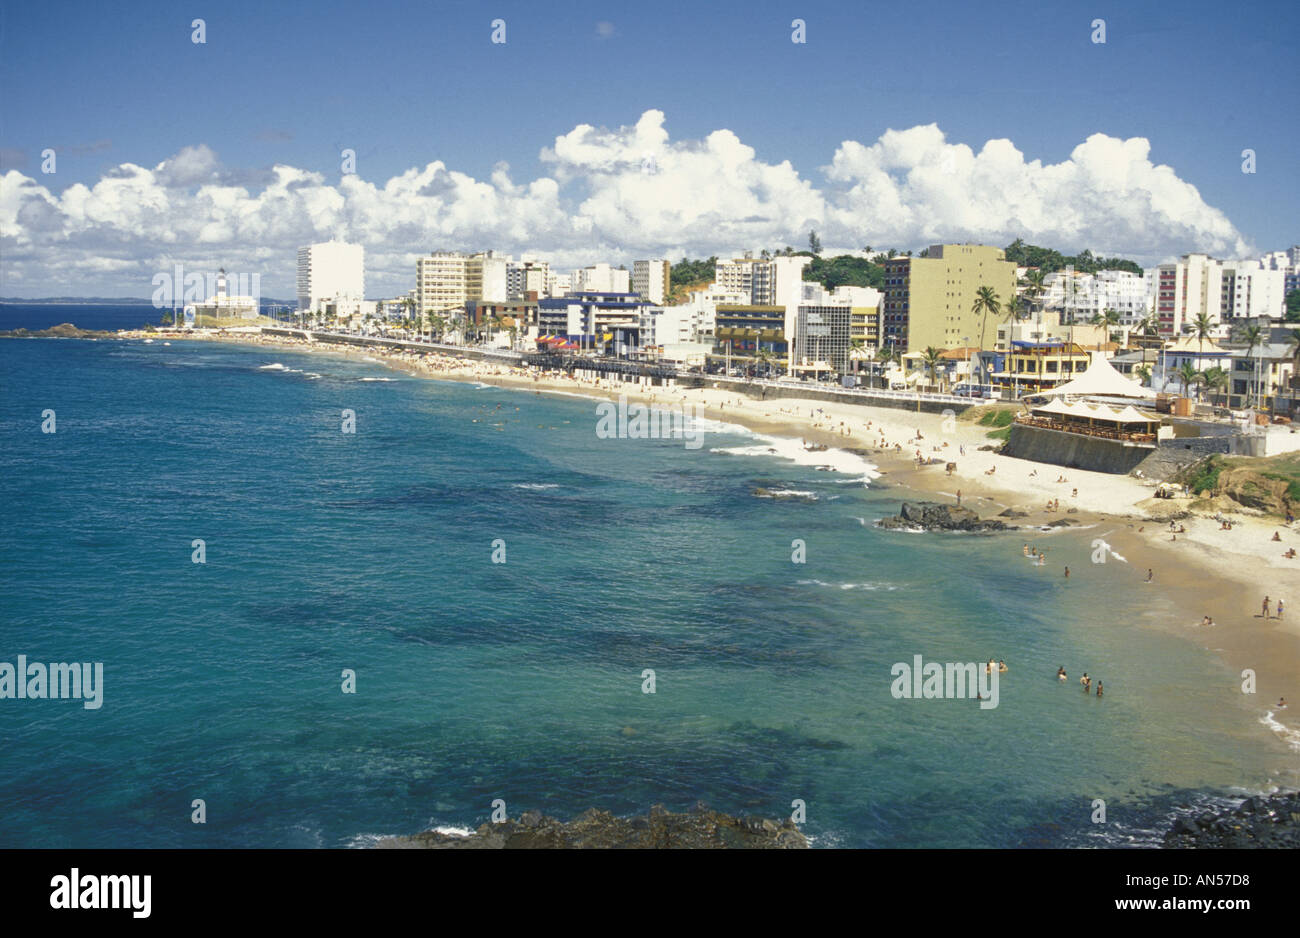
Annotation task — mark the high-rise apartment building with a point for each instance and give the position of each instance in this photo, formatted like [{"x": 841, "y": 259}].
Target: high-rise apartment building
[
  {"x": 601, "y": 278},
  {"x": 929, "y": 300},
  {"x": 330, "y": 271},
  {"x": 651, "y": 279},
  {"x": 526, "y": 276},
  {"x": 1185, "y": 290}
]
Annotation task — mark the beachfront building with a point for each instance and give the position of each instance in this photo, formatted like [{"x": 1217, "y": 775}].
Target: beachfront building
[
  {"x": 746, "y": 332},
  {"x": 331, "y": 271},
  {"x": 607, "y": 322},
  {"x": 1031, "y": 367},
  {"x": 928, "y": 300},
  {"x": 652, "y": 279},
  {"x": 440, "y": 283},
  {"x": 601, "y": 278},
  {"x": 519, "y": 314},
  {"x": 446, "y": 280},
  {"x": 672, "y": 334},
  {"x": 828, "y": 324}
]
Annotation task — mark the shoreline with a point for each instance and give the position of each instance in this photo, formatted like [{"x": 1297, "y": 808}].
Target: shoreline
[{"x": 1212, "y": 579}]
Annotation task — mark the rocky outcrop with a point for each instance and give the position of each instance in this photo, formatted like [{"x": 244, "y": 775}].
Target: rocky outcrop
[
  {"x": 1250, "y": 489},
  {"x": 1271, "y": 822},
  {"x": 64, "y": 330},
  {"x": 659, "y": 829},
  {"x": 933, "y": 516}
]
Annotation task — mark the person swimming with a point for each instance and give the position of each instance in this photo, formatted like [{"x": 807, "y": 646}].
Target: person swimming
[{"x": 1002, "y": 667}]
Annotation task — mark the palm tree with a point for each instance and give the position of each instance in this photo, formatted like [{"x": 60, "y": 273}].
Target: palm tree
[
  {"x": 1215, "y": 379},
  {"x": 986, "y": 301},
  {"x": 1034, "y": 286},
  {"x": 1110, "y": 319},
  {"x": 1143, "y": 372},
  {"x": 1253, "y": 336},
  {"x": 932, "y": 356},
  {"x": 1187, "y": 374},
  {"x": 1202, "y": 328}
]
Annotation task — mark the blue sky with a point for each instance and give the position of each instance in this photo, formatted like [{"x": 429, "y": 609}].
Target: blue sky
[{"x": 404, "y": 84}]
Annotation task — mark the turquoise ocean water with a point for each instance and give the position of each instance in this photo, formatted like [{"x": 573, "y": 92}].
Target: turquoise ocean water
[{"x": 523, "y": 681}]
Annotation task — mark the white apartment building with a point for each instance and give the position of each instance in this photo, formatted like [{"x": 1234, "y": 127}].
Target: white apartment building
[
  {"x": 774, "y": 281},
  {"x": 651, "y": 279},
  {"x": 447, "y": 280},
  {"x": 441, "y": 282},
  {"x": 1251, "y": 289},
  {"x": 601, "y": 278},
  {"x": 558, "y": 284},
  {"x": 486, "y": 277},
  {"x": 330, "y": 271},
  {"x": 1078, "y": 297},
  {"x": 529, "y": 275},
  {"x": 1187, "y": 288}
]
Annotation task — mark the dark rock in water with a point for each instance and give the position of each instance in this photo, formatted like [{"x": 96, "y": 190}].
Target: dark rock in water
[
  {"x": 699, "y": 828},
  {"x": 64, "y": 330},
  {"x": 1013, "y": 513},
  {"x": 933, "y": 516},
  {"x": 1061, "y": 523},
  {"x": 1270, "y": 822}
]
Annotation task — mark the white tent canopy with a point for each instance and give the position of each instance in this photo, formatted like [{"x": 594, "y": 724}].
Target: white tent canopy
[
  {"x": 1102, "y": 380},
  {"x": 1104, "y": 412}
]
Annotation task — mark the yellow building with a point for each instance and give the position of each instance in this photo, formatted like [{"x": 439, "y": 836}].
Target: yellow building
[
  {"x": 864, "y": 325},
  {"x": 928, "y": 299},
  {"x": 1038, "y": 366}
]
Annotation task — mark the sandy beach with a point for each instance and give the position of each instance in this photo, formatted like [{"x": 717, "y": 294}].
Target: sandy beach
[{"x": 1206, "y": 570}]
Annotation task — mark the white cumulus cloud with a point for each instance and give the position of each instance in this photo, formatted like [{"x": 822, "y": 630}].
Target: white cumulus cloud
[{"x": 604, "y": 194}]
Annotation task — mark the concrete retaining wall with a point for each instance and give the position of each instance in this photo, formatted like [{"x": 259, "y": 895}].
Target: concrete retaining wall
[{"x": 1073, "y": 450}]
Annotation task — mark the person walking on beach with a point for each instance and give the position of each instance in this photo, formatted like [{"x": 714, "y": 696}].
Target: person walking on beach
[
  {"x": 959, "y": 498},
  {"x": 1067, "y": 573},
  {"x": 1266, "y": 615},
  {"x": 1149, "y": 574},
  {"x": 1279, "y": 607}
]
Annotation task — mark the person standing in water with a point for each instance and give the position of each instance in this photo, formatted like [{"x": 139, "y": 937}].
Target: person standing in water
[
  {"x": 1086, "y": 682},
  {"x": 1060, "y": 673},
  {"x": 1099, "y": 688}
]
